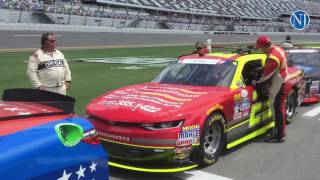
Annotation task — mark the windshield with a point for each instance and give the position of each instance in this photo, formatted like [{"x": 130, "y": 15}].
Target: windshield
[
  {"x": 220, "y": 74},
  {"x": 305, "y": 58}
]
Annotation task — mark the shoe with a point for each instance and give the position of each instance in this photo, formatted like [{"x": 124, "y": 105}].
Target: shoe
[{"x": 275, "y": 140}]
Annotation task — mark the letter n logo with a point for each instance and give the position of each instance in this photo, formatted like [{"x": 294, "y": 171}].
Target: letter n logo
[{"x": 299, "y": 20}]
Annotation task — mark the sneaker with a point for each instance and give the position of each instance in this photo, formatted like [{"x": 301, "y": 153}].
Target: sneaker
[{"x": 275, "y": 140}]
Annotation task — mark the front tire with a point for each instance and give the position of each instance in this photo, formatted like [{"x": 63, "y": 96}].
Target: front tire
[
  {"x": 291, "y": 106},
  {"x": 212, "y": 140}
]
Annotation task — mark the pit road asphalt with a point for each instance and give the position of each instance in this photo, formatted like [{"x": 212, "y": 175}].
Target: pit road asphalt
[{"x": 298, "y": 158}]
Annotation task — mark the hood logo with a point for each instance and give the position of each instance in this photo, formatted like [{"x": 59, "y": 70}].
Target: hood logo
[{"x": 134, "y": 108}]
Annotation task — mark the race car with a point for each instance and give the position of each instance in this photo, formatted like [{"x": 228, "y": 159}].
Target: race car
[
  {"x": 185, "y": 117},
  {"x": 308, "y": 59},
  {"x": 40, "y": 138}
]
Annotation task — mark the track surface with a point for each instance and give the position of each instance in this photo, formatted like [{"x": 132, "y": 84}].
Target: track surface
[{"x": 13, "y": 39}]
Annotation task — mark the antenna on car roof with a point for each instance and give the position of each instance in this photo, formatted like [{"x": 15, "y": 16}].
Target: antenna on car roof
[{"x": 247, "y": 49}]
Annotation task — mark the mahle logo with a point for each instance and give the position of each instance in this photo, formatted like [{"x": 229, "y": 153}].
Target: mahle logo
[{"x": 299, "y": 20}]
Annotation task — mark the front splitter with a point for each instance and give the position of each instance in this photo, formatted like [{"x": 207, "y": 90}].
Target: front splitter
[{"x": 156, "y": 169}]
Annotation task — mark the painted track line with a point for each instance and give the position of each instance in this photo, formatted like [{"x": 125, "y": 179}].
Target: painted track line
[
  {"x": 30, "y": 35},
  {"x": 313, "y": 112},
  {"x": 201, "y": 175}
]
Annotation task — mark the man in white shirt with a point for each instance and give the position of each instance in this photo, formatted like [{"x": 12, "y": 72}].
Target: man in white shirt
[{"x": 47, "y": 68}]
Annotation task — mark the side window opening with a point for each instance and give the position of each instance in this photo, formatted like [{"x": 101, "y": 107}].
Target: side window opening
[{"x": 251, "y": 71}]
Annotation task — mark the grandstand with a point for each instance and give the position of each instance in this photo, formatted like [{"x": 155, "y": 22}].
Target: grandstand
[{"x": 201, "y": 15}]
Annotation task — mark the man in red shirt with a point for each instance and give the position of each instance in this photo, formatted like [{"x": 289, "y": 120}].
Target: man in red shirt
[{"x": 275, "y": 72}]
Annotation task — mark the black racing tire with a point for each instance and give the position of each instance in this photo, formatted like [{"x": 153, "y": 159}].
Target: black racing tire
[
  {"x": 212, "y": 140},
  {"x": 291, "y": 107}
]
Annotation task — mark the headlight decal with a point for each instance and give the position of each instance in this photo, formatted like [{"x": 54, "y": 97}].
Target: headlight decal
[{"x": 163, "y": 125}]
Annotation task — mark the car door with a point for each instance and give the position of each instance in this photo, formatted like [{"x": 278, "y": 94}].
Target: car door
[{"x": 260, "y": 112}]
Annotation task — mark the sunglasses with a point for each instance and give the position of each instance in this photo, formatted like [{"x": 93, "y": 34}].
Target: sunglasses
[{"x": 52, "y": 41}]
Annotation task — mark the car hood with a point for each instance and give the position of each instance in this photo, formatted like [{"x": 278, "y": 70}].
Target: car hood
[{"x": 154, "y": 102}]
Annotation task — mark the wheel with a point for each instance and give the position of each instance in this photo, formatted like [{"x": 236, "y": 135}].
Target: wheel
[
  {"x": 212, "y": 140},
  {"x": 291, "y": 106}
]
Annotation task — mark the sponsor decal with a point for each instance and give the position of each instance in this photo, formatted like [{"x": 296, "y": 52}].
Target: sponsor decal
[
  {"x": 27, "y": 109},
  {"x": 162, "y": 96},
  {"x": 50, "y": 64},
  {"x": 24, "y": 113},
  {"x": 244, "y": 93},
  {"x": 189, "y": 135},
  {"x": 237, "y": 112},
  {"x": 214, "y": 108},
  {"x": 113, "y": 136},
  {"x": 134, "y": 62},
  {"x": 295, "y": 80},
  {"x": 192, "y": 127},
  {"x": 130, "y": 104},
  {"x": 239, "y": 84},
  {"x": 175, "y": 89},
  {"x": 245, "y": 105},
  {"x": 2, "y": 104},
  {"x": 241, "y": 107},
  {"x": 199, "y": 61},
  {"x": 171, "y": 92},
  {"x": 314, "y": 88},
  {"x": 237, "y": 97},
  {"x": 13, "y": 109},
  {"x": 166, "y": 96},
  {"x": 151, "y": 99},
  {"x": 182, "y": 153},
  {"x": 184, "y": 142}
]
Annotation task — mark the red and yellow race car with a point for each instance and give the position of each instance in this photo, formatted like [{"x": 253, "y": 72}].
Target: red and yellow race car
[{"x": 195, "y": 108}]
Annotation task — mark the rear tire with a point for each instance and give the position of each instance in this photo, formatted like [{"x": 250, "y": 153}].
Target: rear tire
[
  {"x": 291, "y": 106},
  {"x": 212, "y": 140}
]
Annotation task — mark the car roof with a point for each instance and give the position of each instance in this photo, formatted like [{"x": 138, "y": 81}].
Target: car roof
[
  {"x": 304, "y": 50},
  {"x": 219, "y": 57}
]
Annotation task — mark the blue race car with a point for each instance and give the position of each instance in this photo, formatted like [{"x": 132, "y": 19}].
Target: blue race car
[
  {"x": 308, "y": 59},
  {"x": 41, "y": 138}
]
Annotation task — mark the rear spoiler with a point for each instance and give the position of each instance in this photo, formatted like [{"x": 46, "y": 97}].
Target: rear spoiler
[{"x": 65, "y": 103}]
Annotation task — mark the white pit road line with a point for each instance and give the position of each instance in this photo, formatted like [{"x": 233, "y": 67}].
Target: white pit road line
[
  {"x": 313, "y": 112},
  {"x": 201, "y": 175},
  {"x": 30, "y": 35}
]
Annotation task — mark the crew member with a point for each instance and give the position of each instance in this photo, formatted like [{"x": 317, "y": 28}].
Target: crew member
[
  {"x": 275, "y": 72},
  {"x": 287, "y": 44},
  {"x": 200, "y": 48}
]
